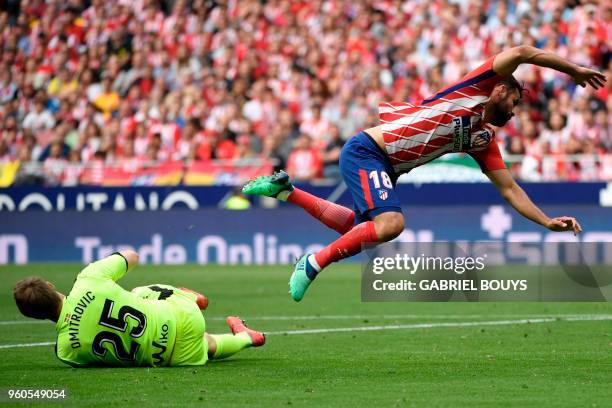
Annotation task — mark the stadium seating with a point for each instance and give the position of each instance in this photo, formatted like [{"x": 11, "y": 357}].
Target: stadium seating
[{"x": 96, "y": 91}]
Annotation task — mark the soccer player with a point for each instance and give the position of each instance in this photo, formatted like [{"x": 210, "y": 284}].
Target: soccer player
[
  {"x": 101, "y": 324},
  {"x": 456, "y": 119}
]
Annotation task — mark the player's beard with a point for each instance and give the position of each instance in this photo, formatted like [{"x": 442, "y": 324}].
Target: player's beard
[{"x": 500, "y": 117}]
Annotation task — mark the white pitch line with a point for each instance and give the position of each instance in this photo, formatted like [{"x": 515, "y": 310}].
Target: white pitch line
[
  {"x": 11, "y": 322},
  {"x": 45, "y": 343},
  {"x": 398, "y": 327},
  {"x": 352, "y": 317},
  {"x": 440, "y": 324},
  {"x": 404, "y": 316}
]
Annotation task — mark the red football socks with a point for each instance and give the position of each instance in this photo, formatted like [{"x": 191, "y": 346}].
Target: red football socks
[
  {"x": 333, "y": 215},
  {"x": 347, "y": 245}
]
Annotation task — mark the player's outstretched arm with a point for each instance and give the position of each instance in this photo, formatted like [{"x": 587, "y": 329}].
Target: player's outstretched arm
[
  {"x": 506, "y": 62},
  {"x": 517, "y": 198},
  {"x": 114, "y": 266}
]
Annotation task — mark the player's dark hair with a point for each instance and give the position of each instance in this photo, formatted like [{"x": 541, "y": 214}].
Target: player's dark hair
[
  {"x": 36, "y": 299},
  {"x": 511, "y": 83}
]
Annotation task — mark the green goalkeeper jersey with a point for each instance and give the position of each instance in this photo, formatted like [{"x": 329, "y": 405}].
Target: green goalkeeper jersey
[{"x": 103, "y": 324}]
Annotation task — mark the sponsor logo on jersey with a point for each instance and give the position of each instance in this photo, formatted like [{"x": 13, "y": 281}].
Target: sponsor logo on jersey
[
  {"x": 163, "y": 341},
  {"x": 461, "y": 133}
]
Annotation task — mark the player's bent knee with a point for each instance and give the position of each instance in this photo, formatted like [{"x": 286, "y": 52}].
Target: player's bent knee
[{"x": 389, "y": 225}]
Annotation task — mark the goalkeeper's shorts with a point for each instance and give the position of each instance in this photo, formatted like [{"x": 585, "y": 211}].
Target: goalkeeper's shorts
[{"x": 190, "y": 347}]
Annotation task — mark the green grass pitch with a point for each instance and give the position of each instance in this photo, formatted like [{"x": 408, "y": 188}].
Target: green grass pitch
[{"x": 554, "y": 363}]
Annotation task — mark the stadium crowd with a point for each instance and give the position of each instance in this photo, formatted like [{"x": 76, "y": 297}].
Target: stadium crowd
[{"x": 132, "y": 82}]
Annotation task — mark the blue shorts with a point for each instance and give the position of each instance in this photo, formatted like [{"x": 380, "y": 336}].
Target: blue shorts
[{"x": 369, "y": 176}]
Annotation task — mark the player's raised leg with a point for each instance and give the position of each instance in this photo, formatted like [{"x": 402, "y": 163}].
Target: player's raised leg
[
  {"x": 225, "y": 345},
  {"x": 278, "y": 185},
  {"x": 383, "y": 228},
  {"x": 200, "y": 299},
  {"x": 160, "y": 291},
  {"x": 371, "y": 180}
]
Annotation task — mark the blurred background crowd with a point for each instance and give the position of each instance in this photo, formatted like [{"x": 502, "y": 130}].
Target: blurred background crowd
[{"x": 133, "y": 83}]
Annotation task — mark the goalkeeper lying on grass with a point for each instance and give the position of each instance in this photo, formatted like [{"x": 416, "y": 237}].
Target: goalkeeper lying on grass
[{"x": 101, "y": 324}]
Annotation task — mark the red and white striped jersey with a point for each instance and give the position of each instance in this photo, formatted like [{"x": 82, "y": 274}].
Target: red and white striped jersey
[{"x": 450, "y": 121}]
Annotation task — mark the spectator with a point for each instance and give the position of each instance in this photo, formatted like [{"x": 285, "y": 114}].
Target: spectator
[
  {"x": 331, "y": 155},
  {"x": 244, "y": 147},
  {"x": 62, "y": 85},
  {"x": 278, "y": 145},
  {"x": 108, "y": 99},
  {"x": 556, "y": 133},
  {"x": 271, "y": 70},
  {"x": 8, "y": 88},
  {"x": 5, "y": 156},
  {"x": 226, "y": 150},
  {"x": 73, "y": 169},
  {"x": 304, "y": 163},
  {"x": 317, "y": 128},
  {"x": 40, "y": 119},
  {"x": 54, "y": 163}
]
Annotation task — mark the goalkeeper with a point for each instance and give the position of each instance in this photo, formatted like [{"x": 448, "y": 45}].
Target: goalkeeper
[{"x": 101, "y": 324}]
